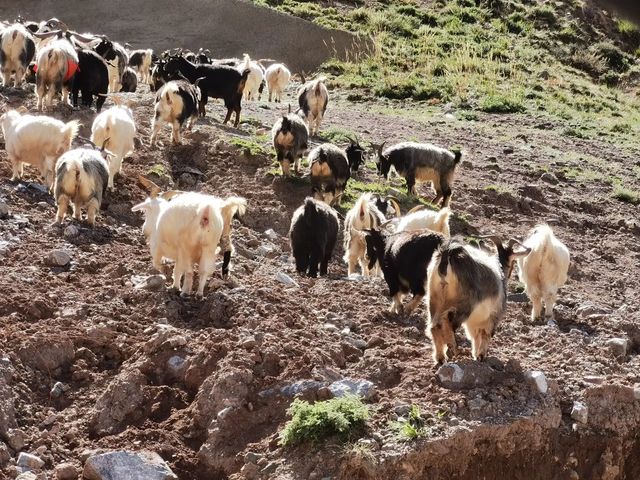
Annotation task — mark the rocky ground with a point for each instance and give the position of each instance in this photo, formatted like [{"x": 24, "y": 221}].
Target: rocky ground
[{"x": 98, "y": 355}]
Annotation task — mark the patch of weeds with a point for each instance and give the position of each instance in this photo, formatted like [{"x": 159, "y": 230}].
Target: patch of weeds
[
  {"x": 569, "y": 34},
  {"x": 626, "y": 27},
  {"x": 543, "y": 14},
  {"x": 412, "y": 427},
  {"x": 159, "y": 170},
  {"x": 345, "y": 417},
  {"x": 519, "y": 288},
  {"x": 467, "y": 115},
  {"x": 248, "y": 146},
  {"x": 626, "y": 195},
  {"x": 615, "y": 58},
  {"x": 502, "y": 103},
  {"x": 623, "y": 128},
  {"x": 575, "y": 132},
  {"x": 337, "y": 135},
  {"x": 588, "y": 61}
]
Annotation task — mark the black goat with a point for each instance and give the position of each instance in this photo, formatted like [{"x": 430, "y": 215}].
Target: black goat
[
  {"x": 129, "y": 81},
  {"x": 421, "y": 162},
  {"x": 313, "y": 235},
  {"x": 91, "y": 79},
  {"x": 331, "y": 169},
  {"x": 218, "y": 81},
  {"x": 403, "y": 258}
]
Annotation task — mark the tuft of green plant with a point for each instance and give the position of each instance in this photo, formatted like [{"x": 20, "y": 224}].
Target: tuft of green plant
[
  {"x": 614, "y": 56},
  {"x": 588, "y": 61},
  {"x": 345, "y": 417},
  {"x": 159, "y": 170},
  {"x": 337, "y": 135},
  {"x": 623, "y": 128},
  {"x": 412, "y": 427},
  {"x": 502, "y": 103},
  {"x": 626, "y": 195},
  {"x": 249, "y": 146},
  {"x": 543, "y": 14}
]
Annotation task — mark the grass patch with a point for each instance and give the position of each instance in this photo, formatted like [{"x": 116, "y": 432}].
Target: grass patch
[
  {"x": 345, "y": 417},
  {"x": 337, "y": 135},
  {"x": 412, "y": 427},
  {"x": 502, "y": 103},
  {"x": 248, "y": 146},
  {"x": 159, "y": 170},
  {"x": 626, "y": 195}
]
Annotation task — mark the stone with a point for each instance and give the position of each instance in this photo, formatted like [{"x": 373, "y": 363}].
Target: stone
[
  {"x": 127, "y": 465},
  {"x": 538, "y": 380},
  {"x": 27, "y": 476},
  {"x": 508, "y": 150},
  {"x": 270, "y": 468},
  {"x": 71, "y": 231},
  {"x": 30, "y": 461},
  {"x": 594, "y": 379},
  {"x": 618, "y": 346},
  {"x": 636, "y": 391},
  {"x": 348, "y": 386},
  {"x": 465, "y": 375},
  {"x": 15, "y": 439},
  {"x": 266, "y": 250},
  {"x": 248, "y": 342},
  {"x": 65, "y": 471},
  {"x": 57, "y": 258},
  {"x": 120, "y": 404},
  {"x": 589, "y": 309},
  {"x": 151, "y": 282},
  {"x": 549, "y": 178},
  {"x": 286, "y": 279},
  {"x": 4, "y": 209},
  {"x": 580, "y": 412},
  {"x": 271, "y": 235},
  {"x": 57, "y": 390},
  {"x": 176, "y": 366},
  {"x": 252, "y": 457}
]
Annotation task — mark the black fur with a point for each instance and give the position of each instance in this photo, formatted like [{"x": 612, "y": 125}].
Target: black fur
[
  {"x": 355, "y": 156},
  {"x": 403, "y": 258},
  {"x": 91, "y": 78},
  {"x": 129, "y": 81},
  {"x": 190, "y": 96},
  {"x": 313, "y": 235},
  {"x": 218, "y": 81},
  {"x": 136, "y": 58},
  {"x": 338, "y": 165}
]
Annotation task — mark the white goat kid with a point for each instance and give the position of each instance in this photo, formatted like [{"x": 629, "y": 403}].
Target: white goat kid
[
  {"x": 115, "y": 130},
  {"x": 544, "y": 270}
]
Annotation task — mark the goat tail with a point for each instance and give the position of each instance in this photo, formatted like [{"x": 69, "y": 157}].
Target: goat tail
[
  {"x": 310, "y": 211},
  {"x": 457, "y": 156},
  {"x": 442, "y": 219},
  {"x": 232, "y": 206},
  {"x": 243, "y": 80},
  {"x": 69, "y": 132}
]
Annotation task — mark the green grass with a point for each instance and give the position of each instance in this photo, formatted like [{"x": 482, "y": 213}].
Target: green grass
[
  {"x": 338, "y": 135},
  {"x": 500, "y": 57},
  {"x": 159, "y": 170},
  {"x": 626, "y": 195},
  {"x": 394, "y": 186},
  {"x": 412, "y": 427},
  {"x": 343, "y": 417},
  {"x": 249, "y": 146}
]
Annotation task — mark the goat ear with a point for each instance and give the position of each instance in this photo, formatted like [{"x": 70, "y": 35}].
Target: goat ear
[{"x": 22, "y": 109}]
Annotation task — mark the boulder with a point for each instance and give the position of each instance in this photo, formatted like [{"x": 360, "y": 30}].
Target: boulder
[
  {"x": 465, "y": 375},
  {"x": 57, "y": 258},
  {"x": 125, "y": 465},
  {"x": 119, "y": 405},
  {"x": 348, "y": 386}
]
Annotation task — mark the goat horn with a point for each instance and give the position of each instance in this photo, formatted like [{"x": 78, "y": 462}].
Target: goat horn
[
  {"x": 417, "y": 208},
  {"x": 81, "y": 38},
  {"x": 154, "y": 189},
  {"x": 395, "y": 203},
  {"x": 87, "y": 141},
  {"x": 46, "y": 34}
]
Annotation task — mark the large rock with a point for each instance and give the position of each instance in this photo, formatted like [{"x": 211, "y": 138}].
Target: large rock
[
  {"x": 538, "y": 380},
  {"x": 120, "y": 404},
  {"x": 464, "y": 375},
  {"x": 348, "y": 386},
  {"x": 580, "y": 412},
  {"x": 223, "y": 389},
  {"x": 618, "y": 347},
  {"x": 30, "y": 461},
  {"x": 57, "y": 258},
  {"x": 123, "y": 465},
  {"x": 47, "y": 354}
]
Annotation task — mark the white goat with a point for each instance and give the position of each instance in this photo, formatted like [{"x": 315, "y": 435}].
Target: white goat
[
  {"x": 423, "y": 218},
  {"x": 81, "y": 178},
  {"x": 277, "y": 77},
  {"x": 544, "y": 270},
  {"x": 115, "y": 129},
  {"x": 313, "y": 97},
  {"x": 364, "y": 215},
  {"x": 17, "y": 49},
  {"x": 254, "y": 80},
  {"x": 36, "y": 140},
  {"x": 188, "y": 229}
]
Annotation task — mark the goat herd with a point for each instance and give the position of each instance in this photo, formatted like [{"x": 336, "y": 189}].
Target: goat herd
[{"x": 464, "y": 284}]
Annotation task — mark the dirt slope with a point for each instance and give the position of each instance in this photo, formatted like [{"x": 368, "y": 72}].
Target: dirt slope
[
  {"x": 226, "y": 27},
  {"x": 110, "y": 344}
]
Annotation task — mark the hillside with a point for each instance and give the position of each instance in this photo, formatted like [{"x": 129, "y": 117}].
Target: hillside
[{"x": 543, "y": 100}]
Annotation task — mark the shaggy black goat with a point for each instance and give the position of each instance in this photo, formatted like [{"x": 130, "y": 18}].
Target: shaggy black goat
[
  {"x": 218, "y": 81},
  {"x": 421, "y": 162},
  {"x": 91, "y": 79},
  {"x": 290, "y": 137},
  {"x": 403, "y": 258},
  {"x": 129, "y": 81},
  {"x": 313, "y": 235}
]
